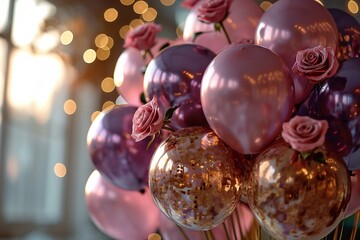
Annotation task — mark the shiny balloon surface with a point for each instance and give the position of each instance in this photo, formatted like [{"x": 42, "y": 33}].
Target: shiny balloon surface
[
  {"x": 119, "y": 213},
  {"x": 338, "y": 101},
  {"x": 195, "y": 178},
  {"x": 115, "y": 153},
  {"x": 241, "y": 23},
  {"x": 246, "y": 95},
  {"x": 284, "y": 30},
  {"x": 354, "y": 203},
  {"x": 294, "y": 198},
  {"x": 174, "y": 77}
]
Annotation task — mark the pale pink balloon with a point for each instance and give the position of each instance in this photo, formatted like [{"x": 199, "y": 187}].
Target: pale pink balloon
[
  {"x": 354, "y": 204},
  {"x": 129, "y": 72},
  {"x": 241, "y": 23},
  {"x": 246, "y": 94},
  {"x": 119, "y": 213},
  {"x": 289, "y": 26},
  {"x": 169, "y": 231}
]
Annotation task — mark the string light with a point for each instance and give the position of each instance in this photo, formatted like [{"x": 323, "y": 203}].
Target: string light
[
  {"x": 108, "y": 104},
  {"x": 136, "y": 22},
  {"x": 102, "y": 53},
  {"x": 124, "y": 30},
  {"x": 110, "y": 14},
  {"x": 60, "y": 170},
  {"x": 353, "y": 7},
  {"x": 127, "y": 2},
  {"x": 70, "y": 107},
  {"x": 149, "y": 15},
  {"x": 89, "y": 56},
  {"x": 167, "y": 2},
  {"x": 265, "y": 5},
  {"x": 107, "y": 84},
  {"x": 94, "y": 115},
  {"x": 101, "y": 40},
  {"x": 66, "y": 37},
  {"x": 140, "y": 7}
]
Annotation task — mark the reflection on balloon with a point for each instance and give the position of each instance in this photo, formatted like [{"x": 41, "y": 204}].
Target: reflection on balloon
[
  {"x": 298, "y": 199},
  {"x": 115, "y": 153},
  {"x": 338, "y": 101},
  {"x": 245, "y": 102},
  {"x": 284, "y": 30},
  {"x": 349, "y": 34},
  {"x": 118, "y": 213},
  {"x": 174, "y": 76},
  {"x": 195, "y": 178},
  {"x": 354, "y": 203},
  {"x": 241, "y": 24}
]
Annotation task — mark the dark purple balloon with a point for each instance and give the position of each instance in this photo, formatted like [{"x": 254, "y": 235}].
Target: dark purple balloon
[
  {"x": 349, "y": 34},
  {"x": 338, "y": 101},
  {"x": 174, "y": 76},
  {"x": 113, "y": 151}
]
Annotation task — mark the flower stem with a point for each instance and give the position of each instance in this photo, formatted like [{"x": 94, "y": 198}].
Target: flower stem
[
  {"x": 225, "y": 32},
  {"x": 166, "y": 127},
  {"x": 182, "y": 232}
]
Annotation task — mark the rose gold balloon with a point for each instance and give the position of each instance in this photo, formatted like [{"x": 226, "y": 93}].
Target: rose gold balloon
[
  {"x": 298, "y": 199},
  {"x": 195, "y": 178},
  {"x": 241, "y": 24},
  {"x": 119, "y": 213},
  {"x": 354, "y": 204},
  {"x": 289, "y": 26},
  {"x": 246, "y": 95}
]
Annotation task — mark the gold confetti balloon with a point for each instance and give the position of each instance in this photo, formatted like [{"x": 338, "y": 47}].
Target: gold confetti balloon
[
  {"x": 293, "y": 198},
  {"x": 195, "y": 178}
]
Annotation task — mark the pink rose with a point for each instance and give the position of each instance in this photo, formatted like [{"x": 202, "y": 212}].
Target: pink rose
[
  {"x": 189, "y": 4},
  {"x": 213, "y": 11},
  {"x": 142, "y": 37},
  {"x": 304, "y": 133},
  {"x": 148, "y": 120},
  {"x": 316, "y": 64}
]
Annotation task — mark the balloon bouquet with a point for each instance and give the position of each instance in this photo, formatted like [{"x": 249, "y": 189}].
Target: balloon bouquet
[{"x": 250, "y": 116}]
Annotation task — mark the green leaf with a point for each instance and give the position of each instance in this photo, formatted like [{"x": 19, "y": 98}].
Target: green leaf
[
  {"x": 142, "y": 98},
  {"x": 165, "y": 45},
  {"x": 170, "y": 112},
  {"x": 305, "y": 155},
  {"x": 196, "y": 35},
  {"x": 318, "y": 157},
  {"x": 217, "y": 27}
]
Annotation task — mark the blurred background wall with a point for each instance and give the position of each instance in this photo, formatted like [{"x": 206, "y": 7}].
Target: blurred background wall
[{"x": 57, "y": 60}]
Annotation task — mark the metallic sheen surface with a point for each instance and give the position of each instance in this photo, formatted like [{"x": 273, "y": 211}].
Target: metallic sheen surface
[
  {"x": 246, "y": 94},
  {"x": 298, "y": 199},
  {"x": 195, "y": 179}
]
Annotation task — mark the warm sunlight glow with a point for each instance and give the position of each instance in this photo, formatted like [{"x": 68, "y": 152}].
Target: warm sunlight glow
[
  {"x": 34, "y": 79},
  {"x": 89, "y": 56},
  {"x": 149, "y": 15},
  {"x": 60, "y": 170},
  {"x": 107, "y": 85},
  {"x": 66, "y": 37},
  {"x": 110, "y": 14},
  {"x": 70, "y": 107},
  {"x": 140, "y": 7}
]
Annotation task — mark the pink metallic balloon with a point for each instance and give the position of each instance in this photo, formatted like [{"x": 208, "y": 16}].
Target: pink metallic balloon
[
  {"x": 354, "y": 204},
  {"x": 241, "y": 24},
  {"x": 129, "y": 72},
  {"x": 119, "y": 213},
  {"x": 128, "y": 75},
  {"x": 289, "y": 26},
  {"x": 246, "y": 95}
]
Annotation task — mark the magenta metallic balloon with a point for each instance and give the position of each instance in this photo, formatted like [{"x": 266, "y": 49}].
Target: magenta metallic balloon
[
  {"x": 246, "y": 95},
  {"x": 241, "y": 23},
  {"x": 115, "y": 153},
  {"x": 174, "y": 76},
  {"x": 292, "y": 25},
  {"x": 119, "y": 213},
  {"x": 338, "y": 101},
  {"x": 354, "y": 204}
]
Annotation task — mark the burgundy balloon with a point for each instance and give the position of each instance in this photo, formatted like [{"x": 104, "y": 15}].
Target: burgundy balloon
[
  {"x": 349, "y": 34},
  {"x": 247, "y": 94},
  {"x": 115, "y": 153},
  {"x": 289, "y": 26},
  {"x": 119, "y": 213},
  {"x": 174, "y": 76},
  {"x": 338, "y": 101},
  {"x": 354, "y": 204}
]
